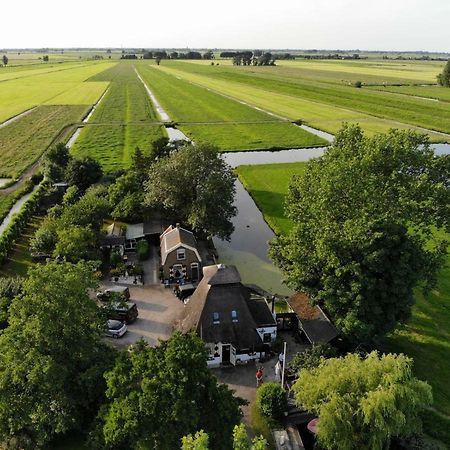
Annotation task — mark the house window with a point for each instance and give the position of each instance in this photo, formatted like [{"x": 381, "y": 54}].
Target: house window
[
  {"x": 216, "y": 318},
  {"x": 181, "y": 254},
  {"x": 234, "y": 316},
  {"x": 267, "y": 338}
]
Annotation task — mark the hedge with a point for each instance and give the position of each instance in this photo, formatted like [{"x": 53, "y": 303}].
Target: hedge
[{"x": 19, "y": 222}]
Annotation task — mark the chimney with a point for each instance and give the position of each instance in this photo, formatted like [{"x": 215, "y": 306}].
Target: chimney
[{"x": 178, "y": 226}]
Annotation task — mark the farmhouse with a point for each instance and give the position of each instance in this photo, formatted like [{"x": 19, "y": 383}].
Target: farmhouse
[
  {"x": 235, "y": 323},
  {"x": 180, "y": 258}
]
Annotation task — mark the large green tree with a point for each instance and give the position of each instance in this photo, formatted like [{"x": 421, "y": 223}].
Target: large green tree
[
  {"x": 444, "y": 77},
  {"x": 158, "y": 395},
  {"x": 10, "y": 287},
  {"x": 195, "y": 185},
  {"x": 51, "y": 356},
  {"x": 363, "y": 403},
  {"x": 364, "y": 216}
]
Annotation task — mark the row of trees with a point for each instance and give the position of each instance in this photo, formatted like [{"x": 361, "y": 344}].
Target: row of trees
[
  {"x": 365, "y": 216},
  {"x": 248, "y": 58},
  {"x": 178, "y": 55}
]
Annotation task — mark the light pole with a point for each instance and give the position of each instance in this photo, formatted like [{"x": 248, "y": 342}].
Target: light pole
[{"x": 284, "y": 365}]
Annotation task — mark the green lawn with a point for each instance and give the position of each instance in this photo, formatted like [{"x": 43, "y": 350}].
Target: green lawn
[
  {"x": 433, "y": 92},
  {"x": 22, "y": 142},
  {"x": 426, "y": 337},
  {"x": 113, "y": 145},
  {"x": 268, "y": 185},
  {"x": 322, "y": 105}
]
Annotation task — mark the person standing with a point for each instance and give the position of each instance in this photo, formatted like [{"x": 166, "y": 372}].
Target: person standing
[{"x": 259, "y": 376}]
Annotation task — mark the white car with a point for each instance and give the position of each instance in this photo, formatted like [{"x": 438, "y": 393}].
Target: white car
[{"x": 116, "y": 329}]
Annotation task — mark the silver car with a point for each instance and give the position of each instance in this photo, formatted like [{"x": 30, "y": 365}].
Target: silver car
[{"x": 116, "y": 329}]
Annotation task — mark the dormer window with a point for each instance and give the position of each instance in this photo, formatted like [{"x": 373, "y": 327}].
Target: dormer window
[
  {"x": 181, "y": 254},
  {"x": 216, "y": 318},
  {"x": 234, "y": 316}
]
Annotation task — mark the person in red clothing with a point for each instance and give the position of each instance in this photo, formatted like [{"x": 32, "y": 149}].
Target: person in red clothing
[{"x": 259, "y": 376}]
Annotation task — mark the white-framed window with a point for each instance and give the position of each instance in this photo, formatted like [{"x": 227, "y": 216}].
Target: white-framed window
[
  {"x": 234, "y": 316},
  {"x": 216, "y": 318},
  {"x": 195, "y": 271},
  {"x": 181, "y": 254}
]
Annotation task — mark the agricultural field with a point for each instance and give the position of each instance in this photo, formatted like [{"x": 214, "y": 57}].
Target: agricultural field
[
  {"x": 208, "y": 117},
  {"x": 322, "y": 105},
  {"x": 124, "y": 119},
  {"x": 23, "y": 141},
  {"x": 62, "y": 86},
  {"x": 426, "y": 337}
]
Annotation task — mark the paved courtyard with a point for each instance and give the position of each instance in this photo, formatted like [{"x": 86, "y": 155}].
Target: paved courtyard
[{"x": 158, "y": 308}]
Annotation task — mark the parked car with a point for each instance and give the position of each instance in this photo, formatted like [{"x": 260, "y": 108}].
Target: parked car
[
  {"x": 124, "y": 311},
  {"x": 120, "y": 292},
  {"x": 185, "y": 290},
  {"x": 116, "y": 329}
]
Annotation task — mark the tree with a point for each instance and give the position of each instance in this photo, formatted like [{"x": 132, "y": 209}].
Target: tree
[
  {"x": 363, "y": 403},
  {"x": 241, "y": 441},
  {"x": 51, "y": 356},
  {"x": 75, "y": 244},
  {"x": 83, "y": 172},
  {"x": 46, "y": 237},
  {"x": 208, "y": 55},
  {"x": 10, "y": 288},
  {"x": 271, "y": 399},
  {"x": 157, "y": 60},
  {"x": 45, "y": 58},
  {"x": 127, "y": 197},
  {"x": 196, "y": 186},
  {"x": 311, "y": 357},
  {"x": 444, "y": 77},
  {"x": 159, "y": 394},
  {"x": 363, "y": 237},
  {"x": 55, "y": 162},
  {"x": 200, "y": 441},
  {"x": 5, "y": 60}
]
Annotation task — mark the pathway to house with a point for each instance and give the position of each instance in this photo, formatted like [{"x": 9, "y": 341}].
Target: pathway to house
[{"x": 242, "y": 379}]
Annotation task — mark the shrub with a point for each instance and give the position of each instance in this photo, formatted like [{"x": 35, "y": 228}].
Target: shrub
[
  {"x": 311, "y": 357},
  {"x": 271, "y": 400},
  {"x": 357, "y": 84},
  {"x": 143, "y": 250},
  {"x": 115, "y": 259}
]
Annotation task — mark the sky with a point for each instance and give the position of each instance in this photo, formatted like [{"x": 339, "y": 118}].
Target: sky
[{"x": 396, "y": 25}]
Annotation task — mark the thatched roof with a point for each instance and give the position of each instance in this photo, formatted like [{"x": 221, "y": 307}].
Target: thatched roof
[
  {"x": 313, "y": 320},
  {"x": 209, "y": 310}
]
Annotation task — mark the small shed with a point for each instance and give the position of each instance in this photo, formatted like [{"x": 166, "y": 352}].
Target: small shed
[{"x": 312, "y": 321}]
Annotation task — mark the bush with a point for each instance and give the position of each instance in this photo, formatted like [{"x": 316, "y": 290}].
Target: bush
[
  {"x": 357, "y": 84},
  {"x": 115, "y": 259},
  {"x": 311, "y": 357},
  {"x": 271, "y": 399},
  {"x": 143, "y": 250}
]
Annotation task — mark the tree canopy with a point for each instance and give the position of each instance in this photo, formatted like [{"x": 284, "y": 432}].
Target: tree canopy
[
  {"x": 51, "y": 356},
  {"x": 196, "y": 186},
  {"x": 364, "y": 219},
  {"x": 444, "y": 77},
  {"x": 363, "y": 403},
  {"x": 159, "y": 394}
]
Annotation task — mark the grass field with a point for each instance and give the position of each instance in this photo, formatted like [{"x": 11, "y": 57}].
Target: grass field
[
  {"x": 268, "y": 136},
  {"x": 432, "y": 92},
  {"x": 123, "y": 120},
  {"x": 22, "y": 142},
  {"x": 426, "y": 337},
  {"x": 322, "y": 105},
  {"x": 8, "y": 200},
  {"x": 113, "y": 145},
  {"x": 62, "y": 86},
  {"x": 208, "y": 117}
]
